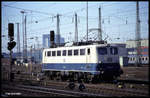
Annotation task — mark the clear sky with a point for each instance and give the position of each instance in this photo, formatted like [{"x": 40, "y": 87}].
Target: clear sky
[{"x": 118, "y": 20}]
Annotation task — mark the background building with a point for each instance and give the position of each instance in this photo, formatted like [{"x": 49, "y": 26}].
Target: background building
[
  {"x": 46, "y": 40},
  {"x": 144, "y": 53},
  {"x": 36, "y": 55}
]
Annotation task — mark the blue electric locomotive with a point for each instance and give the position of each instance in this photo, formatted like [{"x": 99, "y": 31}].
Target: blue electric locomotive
[{"x": 92, "y": 62}]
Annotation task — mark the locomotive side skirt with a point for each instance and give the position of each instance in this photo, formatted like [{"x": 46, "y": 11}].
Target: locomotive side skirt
[
  {"x": 92, "y": 68},
  {"x": 78, "y": 67}
]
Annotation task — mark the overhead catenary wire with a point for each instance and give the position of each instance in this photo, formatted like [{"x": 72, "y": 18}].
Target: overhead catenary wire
[
  {"x": 45, "y": 13},
  {"x": 62, "y": 14},
  {"x": 66, "y": 25},
  {"x": 67, "y": 16}
]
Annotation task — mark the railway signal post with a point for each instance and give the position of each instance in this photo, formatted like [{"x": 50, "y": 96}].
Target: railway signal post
[{"x": 11, "y": 45}]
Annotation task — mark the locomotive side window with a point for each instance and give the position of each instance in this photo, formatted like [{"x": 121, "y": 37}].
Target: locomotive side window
[
  {"x": 64, "y": 53},
  {"x": 53, "y": 53},
  {"x": 143, "y": 58},
  {"x": 76, "y": 52},
  {"x": 82, "y": 51},
  {"x": 130, "y": 59},
  {"x": 69, "y": 52},
  {"x": 102, "y": 50},
  {"x": 49, "y": 53},
  {"x": 88, "y": 51},
  {"x": 133, "y": 58},
  {"x": 59, "y": 53},
  {"x": 114, "y": 50}
]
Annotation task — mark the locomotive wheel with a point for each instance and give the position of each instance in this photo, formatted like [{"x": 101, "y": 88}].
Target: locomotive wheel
[
  {"x": 71, "y": 85},
  {"x": 81, "y": 87},
  {"x": 58, "y": 76},
  {"x": 96, "y": 79}
]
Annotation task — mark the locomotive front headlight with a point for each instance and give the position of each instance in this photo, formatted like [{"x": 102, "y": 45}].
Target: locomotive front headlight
[
  {"x": 100, "y": 62},
  {"x": 102, "y": 72}
]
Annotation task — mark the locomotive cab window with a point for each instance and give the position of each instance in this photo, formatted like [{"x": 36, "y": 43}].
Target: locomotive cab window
[
  {"x": 102, "y": 50},
  {"x": 114, "y": 50},
  {"x": 53, "y": 53},
  {"x": 88, "y": 51},
  {"x": 82, "y": 51},
  {"x": 64, "y": 53},
  {"x": 59, "y": 53},
  {"x": 76, "y": 52},
  {"x": 69, "y": 52}
]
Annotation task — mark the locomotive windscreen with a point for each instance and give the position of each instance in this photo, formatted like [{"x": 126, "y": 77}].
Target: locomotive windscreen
[
  {"x": 102, "y": 50},
  {"x": 114, "y": 50}
]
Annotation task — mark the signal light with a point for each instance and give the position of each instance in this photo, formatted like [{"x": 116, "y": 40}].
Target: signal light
[
  {"x": 10, "y": 29},
  {"x": 52, "y": 35},
  {"x": 11, "y": 45},
  {"x": 11, "y": 38}
]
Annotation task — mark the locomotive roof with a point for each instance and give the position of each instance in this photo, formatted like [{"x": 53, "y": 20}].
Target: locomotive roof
[{"x": 81, "y": 46}]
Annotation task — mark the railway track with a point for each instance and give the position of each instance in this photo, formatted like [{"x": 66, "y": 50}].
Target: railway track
[
  {"x": 33, "y": 78},
  {"x": 95, "y": 89},
  {"x": 114, "y": 91},
  {"x": 53, "y": 88},
  {"x": 139, "y": 84},
  {"x": 133, "y": 81},
  {"x": 43, "y": 91}
]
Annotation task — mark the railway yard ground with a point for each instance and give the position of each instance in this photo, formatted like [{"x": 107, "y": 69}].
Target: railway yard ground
[
  {"x": 136, "y": 73},
  {"x": 133, "y": 82}
]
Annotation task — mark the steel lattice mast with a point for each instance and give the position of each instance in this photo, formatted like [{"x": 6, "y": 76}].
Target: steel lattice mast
[
  {"x": 76, "y": 28},
  {"x": 137, "y": 35},
  {"x": 23, "y": 32},
  {"x": 58, "y": 31},
  {"x": 18, "y": 40},
  {"x": 25, "y": 43},
  {"x": 99, "y": 25}
]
